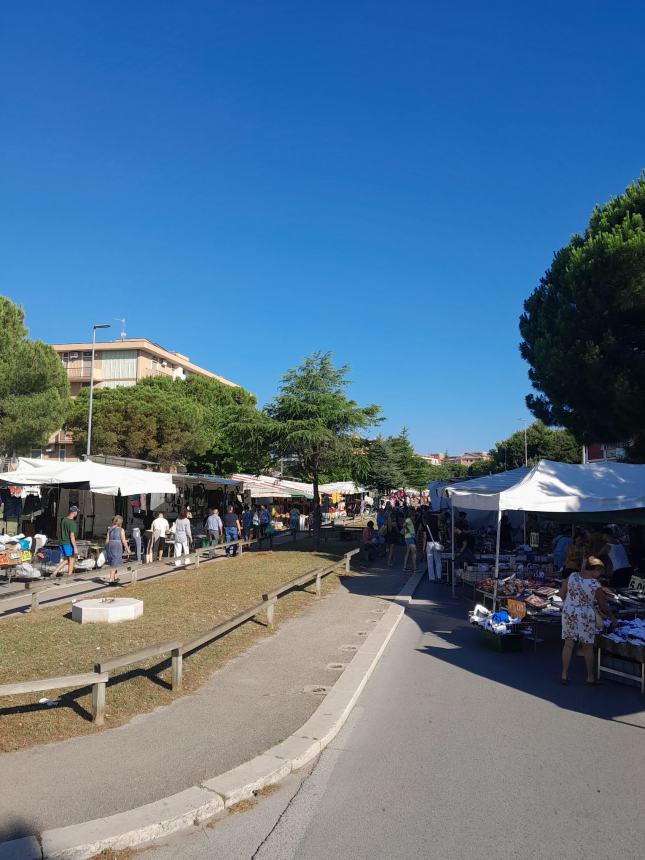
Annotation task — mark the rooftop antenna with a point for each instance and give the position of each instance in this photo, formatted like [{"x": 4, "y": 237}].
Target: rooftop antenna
[{"x": 123, "y": 334}]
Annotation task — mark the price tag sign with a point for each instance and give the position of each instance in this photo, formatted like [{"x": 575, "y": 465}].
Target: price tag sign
[
  {"x": 534, "y": 539},
  {"x": 516, "y": 608}
]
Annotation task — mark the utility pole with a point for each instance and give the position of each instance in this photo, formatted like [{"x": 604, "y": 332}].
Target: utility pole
[
  {"x": 526, "y": 446},
  {"x": 89, "y": 412}
]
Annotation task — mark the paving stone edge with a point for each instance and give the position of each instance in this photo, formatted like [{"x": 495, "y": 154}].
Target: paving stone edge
[{"x": 201, "y": 802}]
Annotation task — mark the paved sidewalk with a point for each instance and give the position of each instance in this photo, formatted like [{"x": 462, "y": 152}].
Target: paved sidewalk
[{"x": 252, "y": 703}]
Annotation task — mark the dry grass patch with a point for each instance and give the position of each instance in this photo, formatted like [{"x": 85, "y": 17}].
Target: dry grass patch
[{"x": 48, "y": 643}]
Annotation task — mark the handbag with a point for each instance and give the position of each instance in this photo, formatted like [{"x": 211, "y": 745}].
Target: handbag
[{"x": 432, "y": 544}]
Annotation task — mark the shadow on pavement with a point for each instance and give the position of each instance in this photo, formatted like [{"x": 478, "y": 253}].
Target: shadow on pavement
[{"x": 536, "y": 673}]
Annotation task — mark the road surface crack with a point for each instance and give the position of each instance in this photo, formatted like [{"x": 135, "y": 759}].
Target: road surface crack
[{"x": 285, "y": 810}]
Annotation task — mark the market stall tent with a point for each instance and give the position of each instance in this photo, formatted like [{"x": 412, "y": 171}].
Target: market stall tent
[
  {"x": 561, "y": 489},
  {"x": 86, "y": 475},
  {"x": 343, "y": 488},
  {"x": 558, "y": 488}
]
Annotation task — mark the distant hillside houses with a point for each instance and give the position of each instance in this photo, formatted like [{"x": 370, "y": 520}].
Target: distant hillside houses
[{"x": 465, "y": 459}]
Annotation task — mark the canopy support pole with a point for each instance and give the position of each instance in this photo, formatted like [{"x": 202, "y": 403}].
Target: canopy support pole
[
  {"x": 499, "y": 524},
  {"x": 452, "y": 532}
]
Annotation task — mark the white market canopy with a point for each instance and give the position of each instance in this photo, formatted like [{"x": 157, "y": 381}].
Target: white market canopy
[
  {"x": 557, "y": 488},
  {"x": 86, "y": 475},
  {"x": 267, "y": 487},
  {"x": 343, "y": 488}
]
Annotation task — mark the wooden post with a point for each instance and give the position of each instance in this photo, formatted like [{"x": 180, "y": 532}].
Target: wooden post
[
  {"x": 35, "y": 601},
  {"x": 270, "y": 609},
  {"x": 134, "y": 576},
  {"x": 197, "y": 557},
  {"x": 347, "y": 563},
  {"x": 318, "y": 577},
  {"x": 98, "y": 703},
  {"x": 241, "y": 545},
  {"x": 177, "y": 668}
]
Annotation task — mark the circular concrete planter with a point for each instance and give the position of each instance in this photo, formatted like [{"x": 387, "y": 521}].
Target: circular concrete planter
[{"x": 107, "y": 610}]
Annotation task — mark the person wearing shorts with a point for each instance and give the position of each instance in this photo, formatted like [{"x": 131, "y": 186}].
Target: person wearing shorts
[
  {"x": 391, "y": 537},
  {"x": 68, "y": 532},
  {"x": 410, "y": 535}
]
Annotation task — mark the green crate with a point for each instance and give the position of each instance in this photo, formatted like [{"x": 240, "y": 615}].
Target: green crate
[{"x": 510, "y": 643}]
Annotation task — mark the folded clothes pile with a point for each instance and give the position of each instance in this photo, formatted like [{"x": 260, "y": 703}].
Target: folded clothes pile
[
  {"x": 9, "y": 542},
  {"x": 501, "y": 623},
  {"x": 632, "y": 631}
]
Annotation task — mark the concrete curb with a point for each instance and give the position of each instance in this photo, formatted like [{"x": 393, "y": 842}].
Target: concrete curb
[{"x": 201, "y": 802}]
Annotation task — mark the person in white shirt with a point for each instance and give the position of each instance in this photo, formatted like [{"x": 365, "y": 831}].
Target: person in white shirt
[
  {"x": 160, "y": 526},
  {"x": 183, "y": 537},
  {"x": 614, "y": 552},
  {"x": 214, "y": 526}
]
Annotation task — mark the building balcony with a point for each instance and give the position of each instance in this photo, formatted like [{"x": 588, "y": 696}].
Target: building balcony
[{"x": 82, "y": 374}]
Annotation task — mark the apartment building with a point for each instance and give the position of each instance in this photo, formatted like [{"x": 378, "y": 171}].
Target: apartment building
[
  {"x": 433, "y": 459},
  {"x": 468, "y": 458},
  {"x": 117, "y": 364}
]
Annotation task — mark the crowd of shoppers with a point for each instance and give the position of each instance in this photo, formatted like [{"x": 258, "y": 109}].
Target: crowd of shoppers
[{"x": 401, "y": 525}]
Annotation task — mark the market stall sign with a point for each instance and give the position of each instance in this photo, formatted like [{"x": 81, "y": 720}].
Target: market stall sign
[{"x": 516, "y": 608}]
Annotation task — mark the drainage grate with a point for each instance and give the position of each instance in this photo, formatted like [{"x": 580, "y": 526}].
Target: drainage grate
[
  {"x": 362, "y": 633},
  {"x": 336, "y": 666},
  {"x": 319, "y": 689},
  {"x": 349, "y": 648}
]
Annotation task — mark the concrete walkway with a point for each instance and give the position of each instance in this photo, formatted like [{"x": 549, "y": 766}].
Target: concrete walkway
[
  {"x": 455, "y": 752},
  {"x": 250, "y": 704}
]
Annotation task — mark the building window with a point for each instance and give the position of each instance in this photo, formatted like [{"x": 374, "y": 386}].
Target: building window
[{"x": 119, "y": 364}]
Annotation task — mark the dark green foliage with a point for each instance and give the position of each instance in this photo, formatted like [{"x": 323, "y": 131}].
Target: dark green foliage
[
  {"x": 34, "y": 391},
  {"x": 164, "y": 420},
  {"x": 378, "y": 469},
  {"x": 312, "y": 418},
  {"x": 446, "y": 471},
  {"x": 543, "y": 443},
  {"x": 583, "y": 328}
]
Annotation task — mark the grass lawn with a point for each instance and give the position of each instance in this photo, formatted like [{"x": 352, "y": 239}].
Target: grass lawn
[{"x": 48, "y": 643}]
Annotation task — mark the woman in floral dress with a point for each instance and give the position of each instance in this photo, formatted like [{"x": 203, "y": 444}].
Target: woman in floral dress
[{"x": 582, "y": 594}]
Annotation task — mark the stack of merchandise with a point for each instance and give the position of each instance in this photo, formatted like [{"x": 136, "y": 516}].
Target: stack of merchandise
[
  {"x": 541, "y": 597},
  {"x": 626, "y": 640},
  {"x": 632, "y": 631},
  {"x": 500, "y": 622}
]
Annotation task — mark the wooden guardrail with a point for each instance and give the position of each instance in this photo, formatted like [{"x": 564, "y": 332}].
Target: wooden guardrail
[
  {"x": 176, "y": 648},
  {"x": 97, "y": 680}
]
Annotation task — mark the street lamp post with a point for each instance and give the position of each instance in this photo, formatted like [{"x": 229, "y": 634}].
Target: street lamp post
[
  {"x": 524, "y": 421},
  {"x": 89, "y": 412}
]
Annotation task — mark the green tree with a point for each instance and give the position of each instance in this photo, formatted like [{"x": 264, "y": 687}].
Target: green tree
[
  {"x": 447, "y": 471},
  {"x": 414, "y": 471},
  {"x": 583, "y": 328},
  {"x": 34, "y": 391},
  {"x": 312, "y": 418},
  {"x": 481, "y": 467},
  {"x": 380, "y": 470},
  {"x": 165, "y": 420},
  {"x": 542, "y": 443}
]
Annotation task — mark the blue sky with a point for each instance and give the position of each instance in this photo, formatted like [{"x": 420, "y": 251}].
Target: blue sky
[{"x": 249, "y": 182}]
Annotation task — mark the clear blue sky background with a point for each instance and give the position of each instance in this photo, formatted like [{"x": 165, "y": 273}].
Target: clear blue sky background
[{"x": 248, "y": 182}]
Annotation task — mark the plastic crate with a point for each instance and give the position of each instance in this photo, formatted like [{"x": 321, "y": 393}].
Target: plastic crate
[{"x": 511, "y": 642}]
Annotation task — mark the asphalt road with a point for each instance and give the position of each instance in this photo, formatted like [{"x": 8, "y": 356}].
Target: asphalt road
[{"x": 456, "y": 752}]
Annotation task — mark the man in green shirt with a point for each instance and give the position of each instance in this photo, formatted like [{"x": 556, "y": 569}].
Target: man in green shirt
[{"x": 68, "y": 531}]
